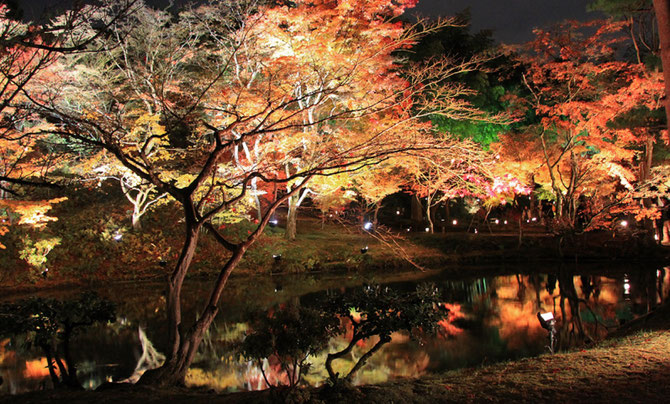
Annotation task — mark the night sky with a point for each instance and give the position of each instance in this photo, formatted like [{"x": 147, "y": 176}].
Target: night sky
[{"x": 511, "y": 20}]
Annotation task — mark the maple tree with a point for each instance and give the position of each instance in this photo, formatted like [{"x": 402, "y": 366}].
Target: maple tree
[
  {"x": 440, "y": 176},
  {"x": 293, "y": 83},
  {"x": 578, "y": 91},
  {"x": 27, "y": 158}
]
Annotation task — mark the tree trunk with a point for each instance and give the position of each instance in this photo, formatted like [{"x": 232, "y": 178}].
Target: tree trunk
[
  {"x": 135, "y": 219},
  {"x": 183, "y": 344},
  {"x": 429, "y": 201},
  {"x": 375, "y": 213},
  {"x": 173, "y": 371},
  {"x": 662, "y": 8},
  {"x": 292, "y": 219},
  {"x": 417, "y": 210}
]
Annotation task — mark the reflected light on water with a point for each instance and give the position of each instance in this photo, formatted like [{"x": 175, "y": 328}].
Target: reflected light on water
[{"x": 489, "y": 319}]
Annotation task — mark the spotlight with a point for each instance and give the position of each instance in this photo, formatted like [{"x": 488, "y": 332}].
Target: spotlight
[
  {"x": 497, "y": 221},
  {"x": 624, "y": 223},
  {"x": 273, "y": 222},
  {"x": 364, "y": 250},
  {"x": 505, "y": 222},
  {"x": 278, "y": 288},
  {"x": 367, "y": 226},
  {"x": 454, "y": 222},
  {"x": 277, "y": 257},
  {"x": 534, "y": 219},
  {"x": 397, "y": 212},
  {"x": 476, "y": 231},
  {"x": 162, "y": 263},
  {"x": 408, "y": 229},
  {"x": 427, "y": 229},
  {"x": 117, "y": 236},
  {"x": 45, "y": 273},
  {"x": 548, "y": 322},
  {"x": 626, "y": 287}
]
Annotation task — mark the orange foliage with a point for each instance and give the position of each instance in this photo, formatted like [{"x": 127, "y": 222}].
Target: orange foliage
[{"x": 578, "y": 89}]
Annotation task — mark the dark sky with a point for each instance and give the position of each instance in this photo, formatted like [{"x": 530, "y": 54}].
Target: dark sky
[{"x": 511, "y": 20}]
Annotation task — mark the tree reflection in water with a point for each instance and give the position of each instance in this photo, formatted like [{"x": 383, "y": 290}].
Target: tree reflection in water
[{"x": 497, "y": 321}]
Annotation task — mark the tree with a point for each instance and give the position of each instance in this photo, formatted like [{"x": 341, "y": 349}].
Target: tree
[
  {"x": 662, "y": 9},
  {"x": 639, "y": 17},
  {"x": 50, "y": 325},
  {"x": 289, "y": 335},
  {"x": 578, "y": 91},
  {"x": 439, "y": 176},
  {"x": 223, "y": 74},
  {"x": 377, "y": 311}
]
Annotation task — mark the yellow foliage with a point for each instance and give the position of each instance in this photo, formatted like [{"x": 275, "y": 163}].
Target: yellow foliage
[{"x": 32, "y": 213}]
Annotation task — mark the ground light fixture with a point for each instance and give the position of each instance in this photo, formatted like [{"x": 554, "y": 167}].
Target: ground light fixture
[
  {"x": 548, "y": 322},
  {"x": 273, "y": 222},
  {"x": 45, "y": 273},
  {"x": 624, "y": 223},
  {"x": 364, "y": 250},
  {"x": 626, "y": 287},
  {"x": 367, "y": 226},
  {"x": 117, "y": 236},
  {"x": 276, "y": 257},
  {"x": 427, "y": 229},
  {"x": 454, "y": 222}
]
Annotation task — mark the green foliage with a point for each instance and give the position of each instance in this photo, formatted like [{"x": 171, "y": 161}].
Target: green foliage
[
  {"x": 290, "y": 335},
  {"x": 544, "y": 193},
  {"x": 35, "y": 252}
]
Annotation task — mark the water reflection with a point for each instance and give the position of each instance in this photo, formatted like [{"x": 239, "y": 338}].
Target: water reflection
[{"x": 492, "y": 319}]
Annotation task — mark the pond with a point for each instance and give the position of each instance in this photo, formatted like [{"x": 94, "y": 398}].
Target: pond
[{"x": 492, "y": 318}]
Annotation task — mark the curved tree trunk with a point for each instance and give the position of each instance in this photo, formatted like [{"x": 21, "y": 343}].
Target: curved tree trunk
[{"x": 185, "y": 343}]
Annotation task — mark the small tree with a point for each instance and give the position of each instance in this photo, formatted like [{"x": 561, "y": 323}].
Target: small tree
[
  {"x": 289, "y": 335},
  {"x": 381, "y": 311},
  {"x": 50, "y": 325}
]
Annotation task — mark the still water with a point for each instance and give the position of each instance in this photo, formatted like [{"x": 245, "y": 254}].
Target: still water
[{"x": 492, "y": 318}]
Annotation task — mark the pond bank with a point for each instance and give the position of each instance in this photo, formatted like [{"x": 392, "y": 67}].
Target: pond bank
[
  {"x": 632, "y": 367},
  {"x": 332, "y": 250}
]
